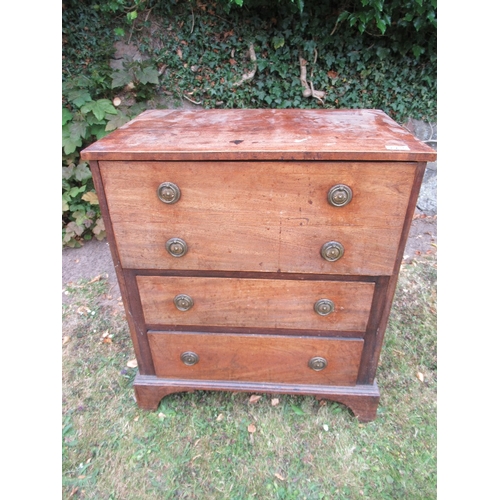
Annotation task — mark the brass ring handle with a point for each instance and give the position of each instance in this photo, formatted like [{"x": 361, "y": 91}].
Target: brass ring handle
[
  {"x": 168, "y": 192},
  {"x": 189, "y": 358},
  {"x": 183, "y": 302},
  {"x": 339, "y": 195},
  {"x": 332, "y": 251},
  {"x": 317, "y": 363},
  {"x": 176, "y": 247},
  {"x": 324, "y": 307}
]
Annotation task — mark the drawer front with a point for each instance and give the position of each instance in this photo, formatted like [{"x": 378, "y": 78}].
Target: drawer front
[
  {"x": 256, "y": 303},
  {"x": 259, "y": 358},
  {"x": 258, "y": 216}
]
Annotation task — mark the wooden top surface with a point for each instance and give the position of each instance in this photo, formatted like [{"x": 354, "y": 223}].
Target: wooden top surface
[{"x": 260, "y": 134}]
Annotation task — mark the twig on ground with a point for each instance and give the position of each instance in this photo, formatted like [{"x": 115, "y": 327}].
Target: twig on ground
[
  {"x": 308, "y": 87},
  {"x": 335, "y": 27},
  {"x": 190, "y": 100},
  {"x": 248, "y": 76}
]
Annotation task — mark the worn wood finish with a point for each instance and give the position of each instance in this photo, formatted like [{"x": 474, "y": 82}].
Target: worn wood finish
[
  {"x": 259, "y": 216},
  {"x": 361, "y": 399},
  {"x": 371, "y": 357},
  {"x": 255, "y": 303},
  {"x": 129, "y": 298},
  {"x": 264, "y": 134},
  {"x": 254, "y": 213},
  {"x": 257, "y": 358}
]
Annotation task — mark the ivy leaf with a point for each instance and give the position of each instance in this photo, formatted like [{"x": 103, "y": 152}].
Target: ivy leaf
[
  {"x": 67, "y": 172},
  {"x": 68, "y": 143},
  {"x": 99, "y": 131},
  {"x": 149, "y": 75},
  {"x": 82, "y": 172},
  {"x": 131, "y": 15},
  {"x": 99, "y": 108},
  {"x": 417, "y": 50},
  {"x": 77, "y": 129},
  {"x": 75, "y": 191},
  {"x": 66, "y": 116},
  {"x": 120, "y": 79},
  {"x": 91, "y": 197},
  {"x": 381, "y": 25},
  {"x": 73, "y": 227},
  {"x": 100, "y": 233},
  {"x": 78, "y": 97},
  {"x": 116, "y": 121},
  {"x": 278, "y": 41},
  {"x": 382, "y": 52},
  {"x": 92, "y": 120}
]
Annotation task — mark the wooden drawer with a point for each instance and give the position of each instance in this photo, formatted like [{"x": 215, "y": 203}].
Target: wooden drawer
[
  {"x": 257, "y": 303},
  {"x": 259, "y": 358},
  {"x": 258, "y": 216}
]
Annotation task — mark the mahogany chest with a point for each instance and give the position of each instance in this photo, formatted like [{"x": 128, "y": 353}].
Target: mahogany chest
[{"x": 258, "y": 250}]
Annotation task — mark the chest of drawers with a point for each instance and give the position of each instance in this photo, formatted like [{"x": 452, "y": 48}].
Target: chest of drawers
[{"x": 258, "y": 250}]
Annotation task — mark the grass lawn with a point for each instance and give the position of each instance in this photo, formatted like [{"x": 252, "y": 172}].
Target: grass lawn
[{"x": 217, "y": 445}]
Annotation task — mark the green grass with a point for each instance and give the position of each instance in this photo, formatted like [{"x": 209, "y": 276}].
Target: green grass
[{"x": 198, "y": 446}]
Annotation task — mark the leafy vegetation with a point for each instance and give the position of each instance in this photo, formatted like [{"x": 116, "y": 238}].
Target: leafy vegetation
[
  {"x": 219, "y": 445},
  {"x": 234, "y": 54}
]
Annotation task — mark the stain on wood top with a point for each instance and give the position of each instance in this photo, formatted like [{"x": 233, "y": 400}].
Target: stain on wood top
[{"x": 260, "y": 134}]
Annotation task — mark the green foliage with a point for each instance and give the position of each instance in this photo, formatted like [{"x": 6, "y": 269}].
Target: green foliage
[
  {"x": 409, "y": 26},
  {"x": 206, "y": 58},
  {"x": 361, "y": 53},
  {"x": 81, "y": 214},
  {"x": 84, "y": 120},
  {"x": 139, "y": 76}
]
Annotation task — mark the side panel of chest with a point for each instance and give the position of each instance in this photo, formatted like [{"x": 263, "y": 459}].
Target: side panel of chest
[{"x": 259, "y": 216}]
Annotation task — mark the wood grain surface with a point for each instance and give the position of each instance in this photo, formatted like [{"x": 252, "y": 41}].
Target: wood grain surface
[
  {"x": 258, "y": 358},
  {"x": 258, "y": 216},
  {"x": 256, "y": 303},
  {"x": 264, "y": 134}
]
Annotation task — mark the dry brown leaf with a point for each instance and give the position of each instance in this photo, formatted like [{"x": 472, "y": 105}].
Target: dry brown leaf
[
  {"x": 91, "y": 198},
  {"x": 132, "y": 363},
  {"x": 254, "y": 398},
  {"x": 179, "y": 53},
  {"x": 275, "y": 402},
  {"x": 332, "y": 74},
  {"x": 83, "y": 310},
  {"x": 251, "y": 428},
  {"x": 220, "y": 417},
  {"x": 279, "y": 476},
  {"x": 420, "y": 376},
  {"x": 66, "y": 339}
]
